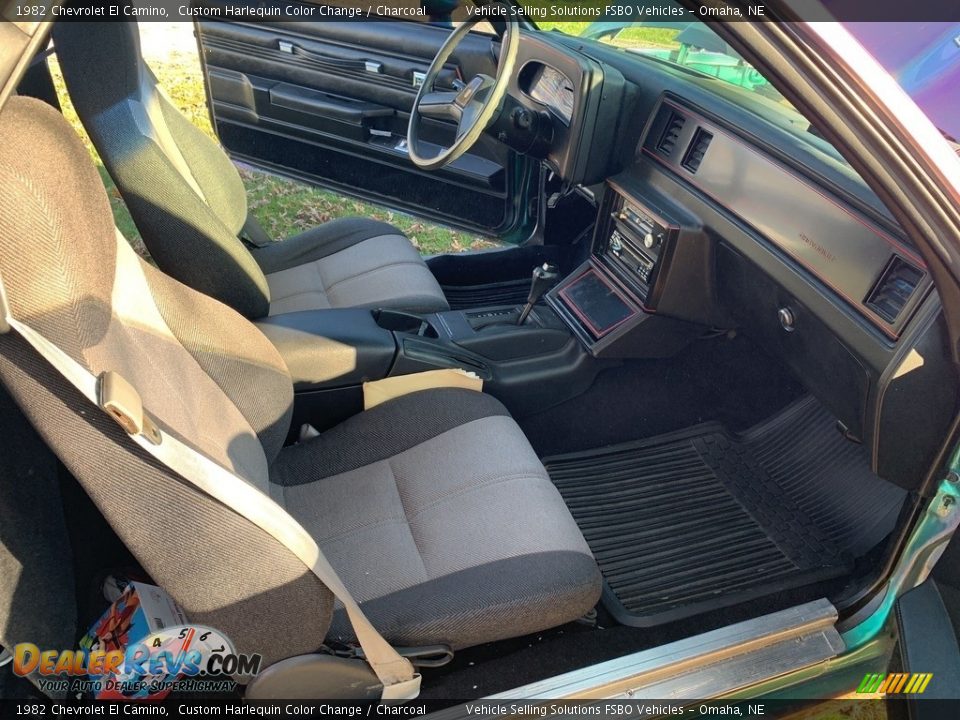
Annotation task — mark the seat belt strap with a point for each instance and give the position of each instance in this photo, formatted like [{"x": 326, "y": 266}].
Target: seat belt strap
[{"x": 120, "y": 400}]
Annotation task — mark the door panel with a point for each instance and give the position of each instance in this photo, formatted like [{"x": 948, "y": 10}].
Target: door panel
[{"x": 328, "y": 103}]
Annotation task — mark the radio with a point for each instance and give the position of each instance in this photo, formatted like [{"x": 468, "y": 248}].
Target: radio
[
  {"x": 633, "y": 244},
  {"x": 622, "y": 300},
  {"x": 630, "y": 257}
]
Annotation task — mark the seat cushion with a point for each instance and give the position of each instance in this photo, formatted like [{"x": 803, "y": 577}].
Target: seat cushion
[
  {"x": 352, "y": 262},
  {"x": 441, "y": 520}
]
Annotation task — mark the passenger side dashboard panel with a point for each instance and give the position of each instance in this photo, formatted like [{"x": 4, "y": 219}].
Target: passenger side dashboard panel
[
  {"x": 876, "y": 274},
  {"x": 821, "y": 281}
]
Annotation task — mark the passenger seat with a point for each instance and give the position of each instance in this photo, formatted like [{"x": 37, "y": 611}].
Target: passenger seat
[{"x": 190, "y": 205}]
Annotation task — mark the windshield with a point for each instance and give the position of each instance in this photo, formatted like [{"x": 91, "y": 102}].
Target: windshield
[{"x": 687, "y": 43}]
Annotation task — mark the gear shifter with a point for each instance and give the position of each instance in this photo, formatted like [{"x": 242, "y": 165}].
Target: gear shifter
[{"x": 544, "y": 277}]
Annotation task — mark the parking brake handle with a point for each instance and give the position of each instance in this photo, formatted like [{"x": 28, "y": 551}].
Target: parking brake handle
[{"x": 544, "y": 277}]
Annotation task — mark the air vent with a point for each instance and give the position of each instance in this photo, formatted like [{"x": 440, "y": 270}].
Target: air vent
[
  {"x": 671, "y": 133},
  {"x": 698, "y": 148},
  {"x": 891, "y": 293}
]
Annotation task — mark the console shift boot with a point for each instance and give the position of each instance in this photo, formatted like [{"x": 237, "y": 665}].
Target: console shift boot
[{"x": 497, "y": 316}]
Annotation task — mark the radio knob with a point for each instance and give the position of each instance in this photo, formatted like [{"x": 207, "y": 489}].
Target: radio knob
[{"x": 649, "y": 241}]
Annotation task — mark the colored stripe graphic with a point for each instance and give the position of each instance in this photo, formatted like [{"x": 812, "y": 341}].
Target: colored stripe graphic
[
  {"x": 894, "y": 683},
  {"x": 901, "y": 683}
]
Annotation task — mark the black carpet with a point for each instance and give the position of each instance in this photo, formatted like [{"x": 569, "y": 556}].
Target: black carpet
[
  {"x": 507, "y": 292},
  {"x": 508, "y": 664},
  {"x": 799, "y": 456},
  {"x": 728, "y": 380}
]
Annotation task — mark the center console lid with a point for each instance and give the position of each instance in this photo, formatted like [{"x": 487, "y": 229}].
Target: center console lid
[{"x": 331, "y": 348}]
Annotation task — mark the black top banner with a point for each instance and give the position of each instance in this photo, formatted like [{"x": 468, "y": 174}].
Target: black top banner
[
  {"x": 483, "y": 709},
  {"x": 649, "y": 12}
]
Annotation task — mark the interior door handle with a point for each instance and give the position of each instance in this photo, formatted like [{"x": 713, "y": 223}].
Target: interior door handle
[
  {"x": 331, "y": 61},
  {"x": 321, "y": 104}
]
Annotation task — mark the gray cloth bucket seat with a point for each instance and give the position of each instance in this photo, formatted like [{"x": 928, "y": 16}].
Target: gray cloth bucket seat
[
  {"x": 190, "y": 206},
  {"x": 433, "y": 507}
]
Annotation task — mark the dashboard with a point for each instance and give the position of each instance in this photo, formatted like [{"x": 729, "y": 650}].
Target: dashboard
[
  {"x": 863, "y": 267},
  {"x": 710, "y": 215},
  {"x": 875, "y": 273}
]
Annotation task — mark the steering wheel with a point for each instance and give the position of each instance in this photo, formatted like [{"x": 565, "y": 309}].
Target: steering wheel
[{"x": 472, "y": 107}]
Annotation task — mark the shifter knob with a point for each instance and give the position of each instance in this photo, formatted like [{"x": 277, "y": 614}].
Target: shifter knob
[{"x": 544, "y": 277}]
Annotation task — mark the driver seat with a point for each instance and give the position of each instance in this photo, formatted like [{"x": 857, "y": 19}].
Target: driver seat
[{"x": 190, "y": 206}]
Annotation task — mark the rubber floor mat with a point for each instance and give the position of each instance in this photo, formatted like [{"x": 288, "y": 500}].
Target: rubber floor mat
[{"x": 702, "y": 519}]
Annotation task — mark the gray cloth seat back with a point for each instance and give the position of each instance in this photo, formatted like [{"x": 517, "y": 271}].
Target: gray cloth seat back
[
  {"x": 189, "y": 203},
  {"x": 184, "y": 194},
  {"x": 204, "y": 371}
]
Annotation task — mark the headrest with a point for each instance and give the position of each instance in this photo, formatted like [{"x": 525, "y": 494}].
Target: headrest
[{"x": 88, "y": 50}]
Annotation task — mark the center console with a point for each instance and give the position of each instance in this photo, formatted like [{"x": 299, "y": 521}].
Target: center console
[
  {"x": 611, "y": 301},
  {"x": 639, "y": 294},
  {"x": 331, "y": 353},
  {"x": 635, "y": 245}
]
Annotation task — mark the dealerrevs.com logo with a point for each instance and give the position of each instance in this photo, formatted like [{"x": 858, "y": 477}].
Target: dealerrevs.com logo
[{"x": 184, "y": 658}]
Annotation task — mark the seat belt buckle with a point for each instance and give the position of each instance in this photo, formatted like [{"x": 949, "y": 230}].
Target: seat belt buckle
[{"x": 121, "y": 401}]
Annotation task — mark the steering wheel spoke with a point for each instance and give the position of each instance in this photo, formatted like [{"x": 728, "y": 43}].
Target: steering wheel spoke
[
  {"x": 472, "y": 106},
  {"x": 440, "y": 105},
  {"x": 468, "y": 118}
]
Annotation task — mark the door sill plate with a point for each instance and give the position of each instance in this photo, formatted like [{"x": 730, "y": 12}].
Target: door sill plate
[{"x": 706, "y": 666}]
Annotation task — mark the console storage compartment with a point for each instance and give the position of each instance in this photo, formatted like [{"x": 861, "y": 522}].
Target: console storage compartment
[
  {"x": 331, "y": 353},
  {"x": 332, "y": 348}
]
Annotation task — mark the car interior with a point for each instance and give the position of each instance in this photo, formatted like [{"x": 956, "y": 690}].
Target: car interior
[{"x": 715, "y": 370}]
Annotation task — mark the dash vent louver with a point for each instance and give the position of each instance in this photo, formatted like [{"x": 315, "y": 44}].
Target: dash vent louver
[
  {"x": 671, "y": 133},
  {"x": 895, "y": 287},
  {"x": 697, "y": 149}
]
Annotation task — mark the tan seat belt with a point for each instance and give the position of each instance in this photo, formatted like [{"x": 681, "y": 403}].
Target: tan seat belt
[{"x": 121, "y": 401}]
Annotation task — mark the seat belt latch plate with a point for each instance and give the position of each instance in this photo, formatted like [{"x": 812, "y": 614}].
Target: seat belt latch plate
[
  {"x": 121, "y": 401},
  {"x": 404, "y": 690}
]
